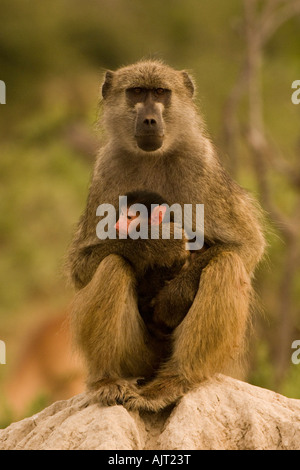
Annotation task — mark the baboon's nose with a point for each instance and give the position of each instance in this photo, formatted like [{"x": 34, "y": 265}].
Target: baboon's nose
[
  {"x": 150, "y": 122},
  {"x": 149, "y": 132}
]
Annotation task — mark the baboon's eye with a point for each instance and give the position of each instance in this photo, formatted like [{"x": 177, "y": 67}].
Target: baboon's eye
[
  {"x": 159, "y": 91},
  {"x": 137, "y": 90}
]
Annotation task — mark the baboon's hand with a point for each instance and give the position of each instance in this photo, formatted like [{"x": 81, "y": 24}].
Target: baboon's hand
[{"x": 173, "y": 302}]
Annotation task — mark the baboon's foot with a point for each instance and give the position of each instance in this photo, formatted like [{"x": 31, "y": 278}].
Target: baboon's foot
[
  {"x": 157, "y": 394},
  {"x": 109, "y": 392}
]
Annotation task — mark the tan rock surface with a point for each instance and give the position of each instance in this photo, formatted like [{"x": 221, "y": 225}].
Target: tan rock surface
[{"x": 222, "y": 413}]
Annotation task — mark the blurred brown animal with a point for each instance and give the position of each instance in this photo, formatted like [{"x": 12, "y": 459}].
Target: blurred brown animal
[{"x": 47, "y": 368}]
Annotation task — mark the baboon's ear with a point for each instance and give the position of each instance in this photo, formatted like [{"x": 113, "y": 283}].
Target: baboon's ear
[
  {"x": 188, "y": 82},
  {"x": 107, "y": 83}
]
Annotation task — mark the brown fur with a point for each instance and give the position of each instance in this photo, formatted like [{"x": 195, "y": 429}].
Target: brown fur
[{"x": 186, "y": 169}]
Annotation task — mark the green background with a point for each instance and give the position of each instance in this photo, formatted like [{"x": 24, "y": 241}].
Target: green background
[{"x": 52, "y": 58}]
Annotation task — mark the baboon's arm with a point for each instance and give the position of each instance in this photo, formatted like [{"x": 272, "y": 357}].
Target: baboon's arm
[
  {"x": 141, "y": 253},
  {"x": 175, "y": 299}
]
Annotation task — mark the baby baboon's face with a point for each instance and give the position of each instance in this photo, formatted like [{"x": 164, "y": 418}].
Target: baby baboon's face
[{"x": 144, "y": 105}]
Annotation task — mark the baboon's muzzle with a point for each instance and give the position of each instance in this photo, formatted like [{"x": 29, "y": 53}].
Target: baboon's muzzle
[{"x": 149, "y": 132}]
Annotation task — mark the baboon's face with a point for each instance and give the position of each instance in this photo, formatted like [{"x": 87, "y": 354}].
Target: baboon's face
[
  {"x": 149, "y": 104},
  {"x": 146, "y": 105}
]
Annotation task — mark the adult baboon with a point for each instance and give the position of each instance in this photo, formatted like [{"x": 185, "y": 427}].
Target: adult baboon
[{"x": 156, "y": 140}]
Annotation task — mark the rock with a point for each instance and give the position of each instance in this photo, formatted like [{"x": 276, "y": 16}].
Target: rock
[{"x": 222, "y": 413}]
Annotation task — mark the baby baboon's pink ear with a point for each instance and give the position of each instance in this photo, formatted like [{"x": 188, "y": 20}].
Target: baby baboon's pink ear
[
  {"x": 189, "y": 84},
  {"x": 158, "y": 214},
  {"x": 107, "y": 83}
]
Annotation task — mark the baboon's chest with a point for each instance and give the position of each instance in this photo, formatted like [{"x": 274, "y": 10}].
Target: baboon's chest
[
  {"x": 174, "y": 179},
  {"x": 175, "y": 184}
]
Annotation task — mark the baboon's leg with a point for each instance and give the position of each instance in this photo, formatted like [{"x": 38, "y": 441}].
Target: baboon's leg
[
  {"x": 110, "y": 332},
  {"x": 209, "y": 337}
]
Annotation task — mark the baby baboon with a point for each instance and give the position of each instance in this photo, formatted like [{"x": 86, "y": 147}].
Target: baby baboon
[
  {"x": 154, "y": 278},
  {"x": 155, "y": 139}
]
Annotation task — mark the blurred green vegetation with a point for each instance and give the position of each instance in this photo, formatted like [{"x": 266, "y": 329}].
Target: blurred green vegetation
[{"x": 52, "y": 56}]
